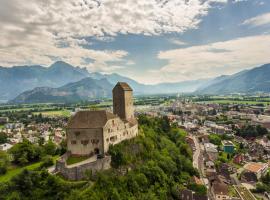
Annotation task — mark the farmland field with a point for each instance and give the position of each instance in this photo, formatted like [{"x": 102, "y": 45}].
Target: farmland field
[
  {"x": 224, "y": 101},
  {"x": 54, "y": 113}
]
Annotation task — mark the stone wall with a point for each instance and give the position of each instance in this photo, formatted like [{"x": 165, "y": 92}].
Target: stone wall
[
  {"x": 78, "y": 172},
  {"x": 85, "y": 141}
]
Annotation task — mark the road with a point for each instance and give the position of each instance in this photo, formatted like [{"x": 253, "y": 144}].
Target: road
[
  {"x": 198, "y": 163},
  {"x": 196, "y": 153}
]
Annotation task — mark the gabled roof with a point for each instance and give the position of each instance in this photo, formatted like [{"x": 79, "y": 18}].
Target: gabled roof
[
  {"x": 220, "y": 188},
  {"x": 90, "y": 119},
  {"x": 123, "y": 85}
]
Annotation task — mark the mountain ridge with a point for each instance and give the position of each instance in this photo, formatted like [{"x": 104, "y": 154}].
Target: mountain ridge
[
  {"x": 85, "y": 89},
  {"x": 246, "y": 81}
]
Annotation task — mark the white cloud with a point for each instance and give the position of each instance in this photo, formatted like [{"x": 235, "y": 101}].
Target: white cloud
[
  {"x": 258, "y": 20},
  {"x": 237, "y": 1},
  {"x": 177, "y": 42},
  {"x": 213, "y": 59},
  {"x": 36, "y": 31}
]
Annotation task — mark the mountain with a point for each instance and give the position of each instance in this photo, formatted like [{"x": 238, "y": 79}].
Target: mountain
[
  {"x": 82, "y": 90},
  {"x": 247, "y": 81},
  {"x": 18, "y": 79},
  {"x": 162, "y": 88}
]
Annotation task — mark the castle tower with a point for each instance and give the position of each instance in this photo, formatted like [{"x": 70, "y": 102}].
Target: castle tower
[{"x": 123, "y": 101}]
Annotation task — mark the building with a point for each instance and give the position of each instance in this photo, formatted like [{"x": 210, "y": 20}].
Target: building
[
  {"x": 249, "y": 177},
  {"x": 220, "y": 190},
  {"x": 259, "y": 169},
  {"x": 3, "y": 120},
  {"x": 228, "y": 146},
  {"x": 92, "y": 132},
  {"x": 211, "y": 151},
  {"x": 186, "y": 194},
  {"x": 238, "y": 159},
  {"x": 5, "y": 147}
]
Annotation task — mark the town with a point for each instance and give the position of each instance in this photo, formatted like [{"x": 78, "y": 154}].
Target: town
[{"x": 230, "y": 141}]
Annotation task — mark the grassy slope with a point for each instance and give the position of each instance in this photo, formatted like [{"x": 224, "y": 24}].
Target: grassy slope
[
  {"x": 17, "y": 170},
  {"x": 73, "y": 160}
]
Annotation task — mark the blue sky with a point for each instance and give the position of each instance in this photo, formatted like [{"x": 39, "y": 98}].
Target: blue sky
[{"x": 151, "y": 41}]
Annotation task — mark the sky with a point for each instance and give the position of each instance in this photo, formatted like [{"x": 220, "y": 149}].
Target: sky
[{"x": 151, "y": 41}]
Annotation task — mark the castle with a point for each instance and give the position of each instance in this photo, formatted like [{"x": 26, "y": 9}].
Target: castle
[{"x": 90, "y": 133}]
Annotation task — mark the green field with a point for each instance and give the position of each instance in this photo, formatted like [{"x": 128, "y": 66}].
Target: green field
[
  {"x": 72, "y": 160},
  {"x": 54, "y": 113},
  {"x": 17, "y": 170},
  {"x": 236, "y": 102}
]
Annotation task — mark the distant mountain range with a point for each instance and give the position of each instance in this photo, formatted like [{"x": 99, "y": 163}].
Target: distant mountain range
[
  {"x": 62, "y": 82},
  {"x": 85, "y": 89},
  {"x": 18, "y": 79},
  {"x": 161, "y": 88},
  {"x": 247, "y": 81}
]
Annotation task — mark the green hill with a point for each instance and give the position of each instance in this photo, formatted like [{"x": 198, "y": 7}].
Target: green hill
[{"x": 154, "y": 165}]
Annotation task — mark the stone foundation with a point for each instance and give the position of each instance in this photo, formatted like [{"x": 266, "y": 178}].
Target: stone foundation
[{"x": 78, "y": 171}]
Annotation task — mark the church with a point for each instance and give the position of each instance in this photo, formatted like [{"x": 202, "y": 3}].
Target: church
[{"x": 91, "y": 133}]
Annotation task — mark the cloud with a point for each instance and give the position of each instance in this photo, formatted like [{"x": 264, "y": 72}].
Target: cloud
[
  {"x": 177, "y": 42},
  {"x": 260, "y": 20},
  {"x": 37, "y": 31},
  {"x": 237, "y": 1},
  {"x": 214, "y": 59}
]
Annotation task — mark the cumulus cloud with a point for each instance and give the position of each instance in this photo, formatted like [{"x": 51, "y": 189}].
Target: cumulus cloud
[
  {"x": 214, "y": 59},
  {"x": 258, "y": 20},
  {"x": 37, "y": 31}
]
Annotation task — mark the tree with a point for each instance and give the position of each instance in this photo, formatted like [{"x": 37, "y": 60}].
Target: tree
[
  {"x": 215, "y": 139},
  {"x": 165, "y": 124},
  {"x": 47, "y": 161},
  {"x": 4, "y": 162},
  {"x": 50, "y": 148},
  {"x": 25, "y": 152},
  {"x": 118, "y": 158},
  {"x": 3, "y": 138},
  {"x": 199, "y": 189}
]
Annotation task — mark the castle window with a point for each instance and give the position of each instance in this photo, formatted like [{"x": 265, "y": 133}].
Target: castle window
[
  {"x": 94, "y": 141},
  {"x": 77, "y": 133},
  {"x": 84, "y": 142},
  {"x": 113, "y": 122},
  {"x": 113, "y": 139},
  {"x": 73, "y": 142}
]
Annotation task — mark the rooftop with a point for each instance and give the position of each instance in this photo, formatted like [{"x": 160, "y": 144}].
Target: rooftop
[
  {"x": 255, "y": 167},
  {"x": 90, "y": 119},
  {"x": 220, "y": 188},
  {"x": 124, "y": 86}
]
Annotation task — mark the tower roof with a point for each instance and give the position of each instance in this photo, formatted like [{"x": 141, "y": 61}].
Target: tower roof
[
  {"x": 90, "y": 119},
  {"x": 124, "y": 86}
]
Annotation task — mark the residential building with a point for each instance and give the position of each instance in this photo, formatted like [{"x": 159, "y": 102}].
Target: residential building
[
  {"x": 5, "y": 146},
  {"x": 259, "y": 169},
  {"x": 228, "y": 146},
  {"x": 220, "y": 190}
]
